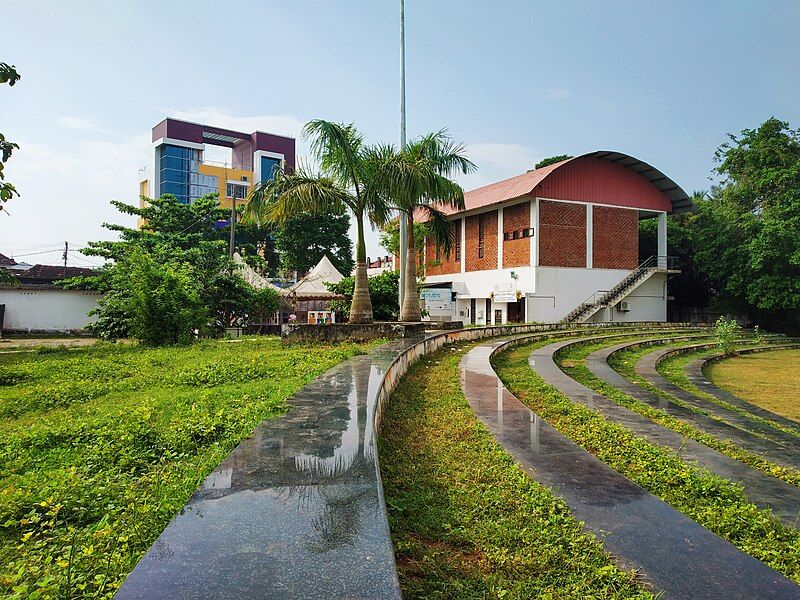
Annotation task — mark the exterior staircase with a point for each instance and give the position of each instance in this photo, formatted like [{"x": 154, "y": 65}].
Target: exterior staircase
[{"x": 606, "y": 298}]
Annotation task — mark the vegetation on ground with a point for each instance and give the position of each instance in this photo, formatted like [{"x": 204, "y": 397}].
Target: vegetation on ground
[
  {"x": 466, "y": 521},
  {"x": 101, "y": 446},
  {"x": 770, "y": 380},
  {"x": 716, "y": 503},
  {"x": 727, "y": 332},
  {"x": 573, "y": 362},
  {"x": 384, "y": 291}
]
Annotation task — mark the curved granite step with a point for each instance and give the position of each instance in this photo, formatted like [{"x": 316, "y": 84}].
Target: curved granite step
[
  {"x": 779, "y": 453},
  {"x": 695, "y": 372},
  {"x": 679, "y": 557},
  {"x": 765, "y": 491},
  {"x": 647, "y": 369}
]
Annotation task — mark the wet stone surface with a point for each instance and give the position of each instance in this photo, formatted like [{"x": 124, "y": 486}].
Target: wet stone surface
[
  {"x": 678, "y": 556},
  {"x": 597, "y": 362},
  {"x": 295, "y": 511},
  {"x": 765, "y": 491}
]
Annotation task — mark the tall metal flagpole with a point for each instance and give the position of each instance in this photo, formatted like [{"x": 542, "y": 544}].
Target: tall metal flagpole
[{"x": 403, "y": 218}]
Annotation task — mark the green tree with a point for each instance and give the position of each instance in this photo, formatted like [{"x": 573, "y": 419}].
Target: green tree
[
  {"x": 348, "y": 180},
  {"x": 306, "y": 237},
  {"x": 383, "y": 290},
  {"x": 417, "y": 182},
  {"x": 9, "y": 75},
  {"x": 545, "y": 162},
  {"x": 390, "y": 237},
  {"x": 264, "y": 302}
]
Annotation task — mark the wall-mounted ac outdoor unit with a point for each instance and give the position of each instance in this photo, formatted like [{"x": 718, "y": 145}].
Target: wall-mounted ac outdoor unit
[{"x": 624, "y": 306}]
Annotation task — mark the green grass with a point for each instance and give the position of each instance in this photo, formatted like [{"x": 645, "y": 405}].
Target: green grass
[
  {"x": 573, "y": 362},
  {"x": 466, "y": 521},
  {"x": 714, "y": 502},
  {"x": 758, "y": 378},
  {"x": 101, "y": 446}
]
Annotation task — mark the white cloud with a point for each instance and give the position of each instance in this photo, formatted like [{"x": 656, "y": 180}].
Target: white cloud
[
  {"x": 496, "y": 161},
  {"x": 558, "y": 94},
  {"x": 81, "y": 124}
]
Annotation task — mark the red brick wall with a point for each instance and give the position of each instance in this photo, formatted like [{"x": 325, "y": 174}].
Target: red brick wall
[
  {"x": 615, "y": 238},
  {"x": 446, "y": 264},
  {"x": 562, "y": 234},
  {"x": 470, "y": 250},
  {"x": 517, "y": 253}
]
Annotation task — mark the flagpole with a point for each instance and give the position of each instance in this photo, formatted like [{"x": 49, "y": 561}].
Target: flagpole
[{"x": 403, "y": 217}]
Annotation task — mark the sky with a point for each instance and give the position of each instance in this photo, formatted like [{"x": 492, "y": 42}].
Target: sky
[{"x": 515, "y": 81}]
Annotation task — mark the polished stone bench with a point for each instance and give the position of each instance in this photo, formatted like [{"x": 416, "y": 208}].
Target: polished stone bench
[{"x": 677, "y": 556}]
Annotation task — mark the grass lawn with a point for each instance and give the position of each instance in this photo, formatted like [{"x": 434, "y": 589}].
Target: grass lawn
[
  {"x": 466, "y": 521},
  {"x": 769, "y": 379},
  {"x": 101, "y": 446},
  {"x": 716, "y": 503}
]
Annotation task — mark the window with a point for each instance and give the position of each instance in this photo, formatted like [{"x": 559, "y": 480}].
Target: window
[
  {"x": 526, "y": 233},
  {"x": 268, "y": 165},
  {"x": 458, "y": 240},
  {"x": 481, "y": 234},
  {"x": 239, "y": 190}
]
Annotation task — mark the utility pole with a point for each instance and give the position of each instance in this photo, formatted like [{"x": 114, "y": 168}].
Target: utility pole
[
  {"x": 66, "y": 250},
  {"x": 403, "y": 217}
]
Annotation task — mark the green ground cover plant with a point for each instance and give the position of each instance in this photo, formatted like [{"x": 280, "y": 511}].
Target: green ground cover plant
[
  {"x": 775, "y": 392},
  {"x": 101, "y": 446},
  {"x": 572, "y": 361},
  {"x": 466, "y": 521},
  {"x": 714, "y": 502}
]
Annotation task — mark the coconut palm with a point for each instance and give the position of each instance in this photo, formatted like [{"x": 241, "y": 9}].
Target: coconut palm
[
  {"x": 348, "y": 179},
  {"x": 417, "y": 182}
]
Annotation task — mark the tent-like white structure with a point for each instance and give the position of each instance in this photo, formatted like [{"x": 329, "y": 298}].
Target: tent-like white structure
[
  {"x": 313, "y": 284},
  {"x": 253, "y": 278}
]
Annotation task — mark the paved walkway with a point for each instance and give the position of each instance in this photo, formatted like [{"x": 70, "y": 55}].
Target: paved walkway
[
  {"x": 678, "y": 556},
  {"x": 646, "y": 368},
  {"x": 295, "y": 511},
  {"x": 694, "y": 372},
  {"x": 779, "y": 453},
  {"x": 763, "y": 490}
]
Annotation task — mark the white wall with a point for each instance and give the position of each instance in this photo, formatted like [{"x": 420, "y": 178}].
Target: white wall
[
  {"x": 558, "y": 290},
  {"x": 47, "y": 309},
  {"x": 648, "y": 302}
]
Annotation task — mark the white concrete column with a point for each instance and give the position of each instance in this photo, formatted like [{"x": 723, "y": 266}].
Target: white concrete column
[
  {"x": 589, "y": 234},
  {"x": 535, "y": 237},
  {"x": 463, "y": 234},
  {"x": 500, "y": 238},
  {"x": 662, "y": 240}
]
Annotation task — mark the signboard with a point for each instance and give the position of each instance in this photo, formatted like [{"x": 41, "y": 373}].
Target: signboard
[
  {"x": 435, "y": 294},
  {"x": 505, "y": 296}
]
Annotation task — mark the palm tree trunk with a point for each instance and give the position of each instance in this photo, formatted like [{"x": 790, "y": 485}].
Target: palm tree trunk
[
  {"x": 411, "y": 311},
  {"x": 361, "y": 306}
]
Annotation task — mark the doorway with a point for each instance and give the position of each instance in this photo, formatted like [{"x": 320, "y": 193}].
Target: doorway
[
  {"x": 472, "y": 311},
  {"x": 516, "y": 311}
]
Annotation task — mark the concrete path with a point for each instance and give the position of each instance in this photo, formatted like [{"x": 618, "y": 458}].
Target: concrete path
[
  {"x": 646, "y": 368},
  {"x": 765, "y": 491},
  {"x": 694, "y": 372},
  {"x": 679, "y": 557},
  {"x": 776, "y": 452}
]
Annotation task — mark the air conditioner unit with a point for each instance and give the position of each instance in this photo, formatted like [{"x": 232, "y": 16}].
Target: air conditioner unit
[{"x": 624, "y": 306}]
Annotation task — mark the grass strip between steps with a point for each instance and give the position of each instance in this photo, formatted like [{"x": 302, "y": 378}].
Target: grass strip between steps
[
  {"x": 714, "y": 502},
  {"x": 674, "y": 369},
  {"x": 466, "y": 521},
  {"x": 573, "y": 362}
]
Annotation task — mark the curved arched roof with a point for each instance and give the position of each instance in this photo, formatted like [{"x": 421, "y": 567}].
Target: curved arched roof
[{"x": 521, "y": 185}]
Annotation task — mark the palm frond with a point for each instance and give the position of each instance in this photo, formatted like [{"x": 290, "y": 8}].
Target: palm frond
[{"x": 440, "y": 227}]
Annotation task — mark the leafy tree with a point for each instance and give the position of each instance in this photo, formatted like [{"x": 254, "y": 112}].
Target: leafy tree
[
  {"x": 9, "y": 75},
  {"x": 306, "y": 237},
  {"x": 417, "y": 182},
  {"x": 183, "y": 239},
  {"x": 551, "y": 160},
  {"x": 264, "y": 302},
  {"x": 348, "y": 180},
  {"x": 257, "y": 246},
  {"x": 383, "y": 290},
  {"x": 390, "y": 237}
]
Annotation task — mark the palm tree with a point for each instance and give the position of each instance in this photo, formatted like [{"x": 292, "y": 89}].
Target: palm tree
[
  {"x": 348, "y": 179},
  {"x": 417, "y": 182}
]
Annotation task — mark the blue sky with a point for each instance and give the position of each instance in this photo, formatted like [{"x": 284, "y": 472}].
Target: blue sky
[{"x": 515, "y": 81}]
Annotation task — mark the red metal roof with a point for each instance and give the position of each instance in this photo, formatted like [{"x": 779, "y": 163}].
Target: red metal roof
[{"x": 603, "y": 177}]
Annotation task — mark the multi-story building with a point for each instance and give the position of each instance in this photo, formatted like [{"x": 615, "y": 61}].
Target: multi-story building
[
  {"x": 177, "y": 165},
  {"x": 558, "y": 243}
]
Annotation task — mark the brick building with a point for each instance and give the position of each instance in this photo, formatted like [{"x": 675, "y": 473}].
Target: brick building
[{"x": 557, "y": 243}]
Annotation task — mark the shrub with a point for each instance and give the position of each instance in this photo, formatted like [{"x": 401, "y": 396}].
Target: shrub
[{"x": 726, "y": 331}]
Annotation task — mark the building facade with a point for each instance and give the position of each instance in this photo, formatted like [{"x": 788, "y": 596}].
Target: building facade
[
  {"x": 557, "y": 243},
  {"x": 177, "y": 164}
]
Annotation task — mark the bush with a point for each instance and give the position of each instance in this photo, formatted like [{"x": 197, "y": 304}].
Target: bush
[
  {"x": 384, "y": 291},
  {"x": 726, "y": 332}
]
